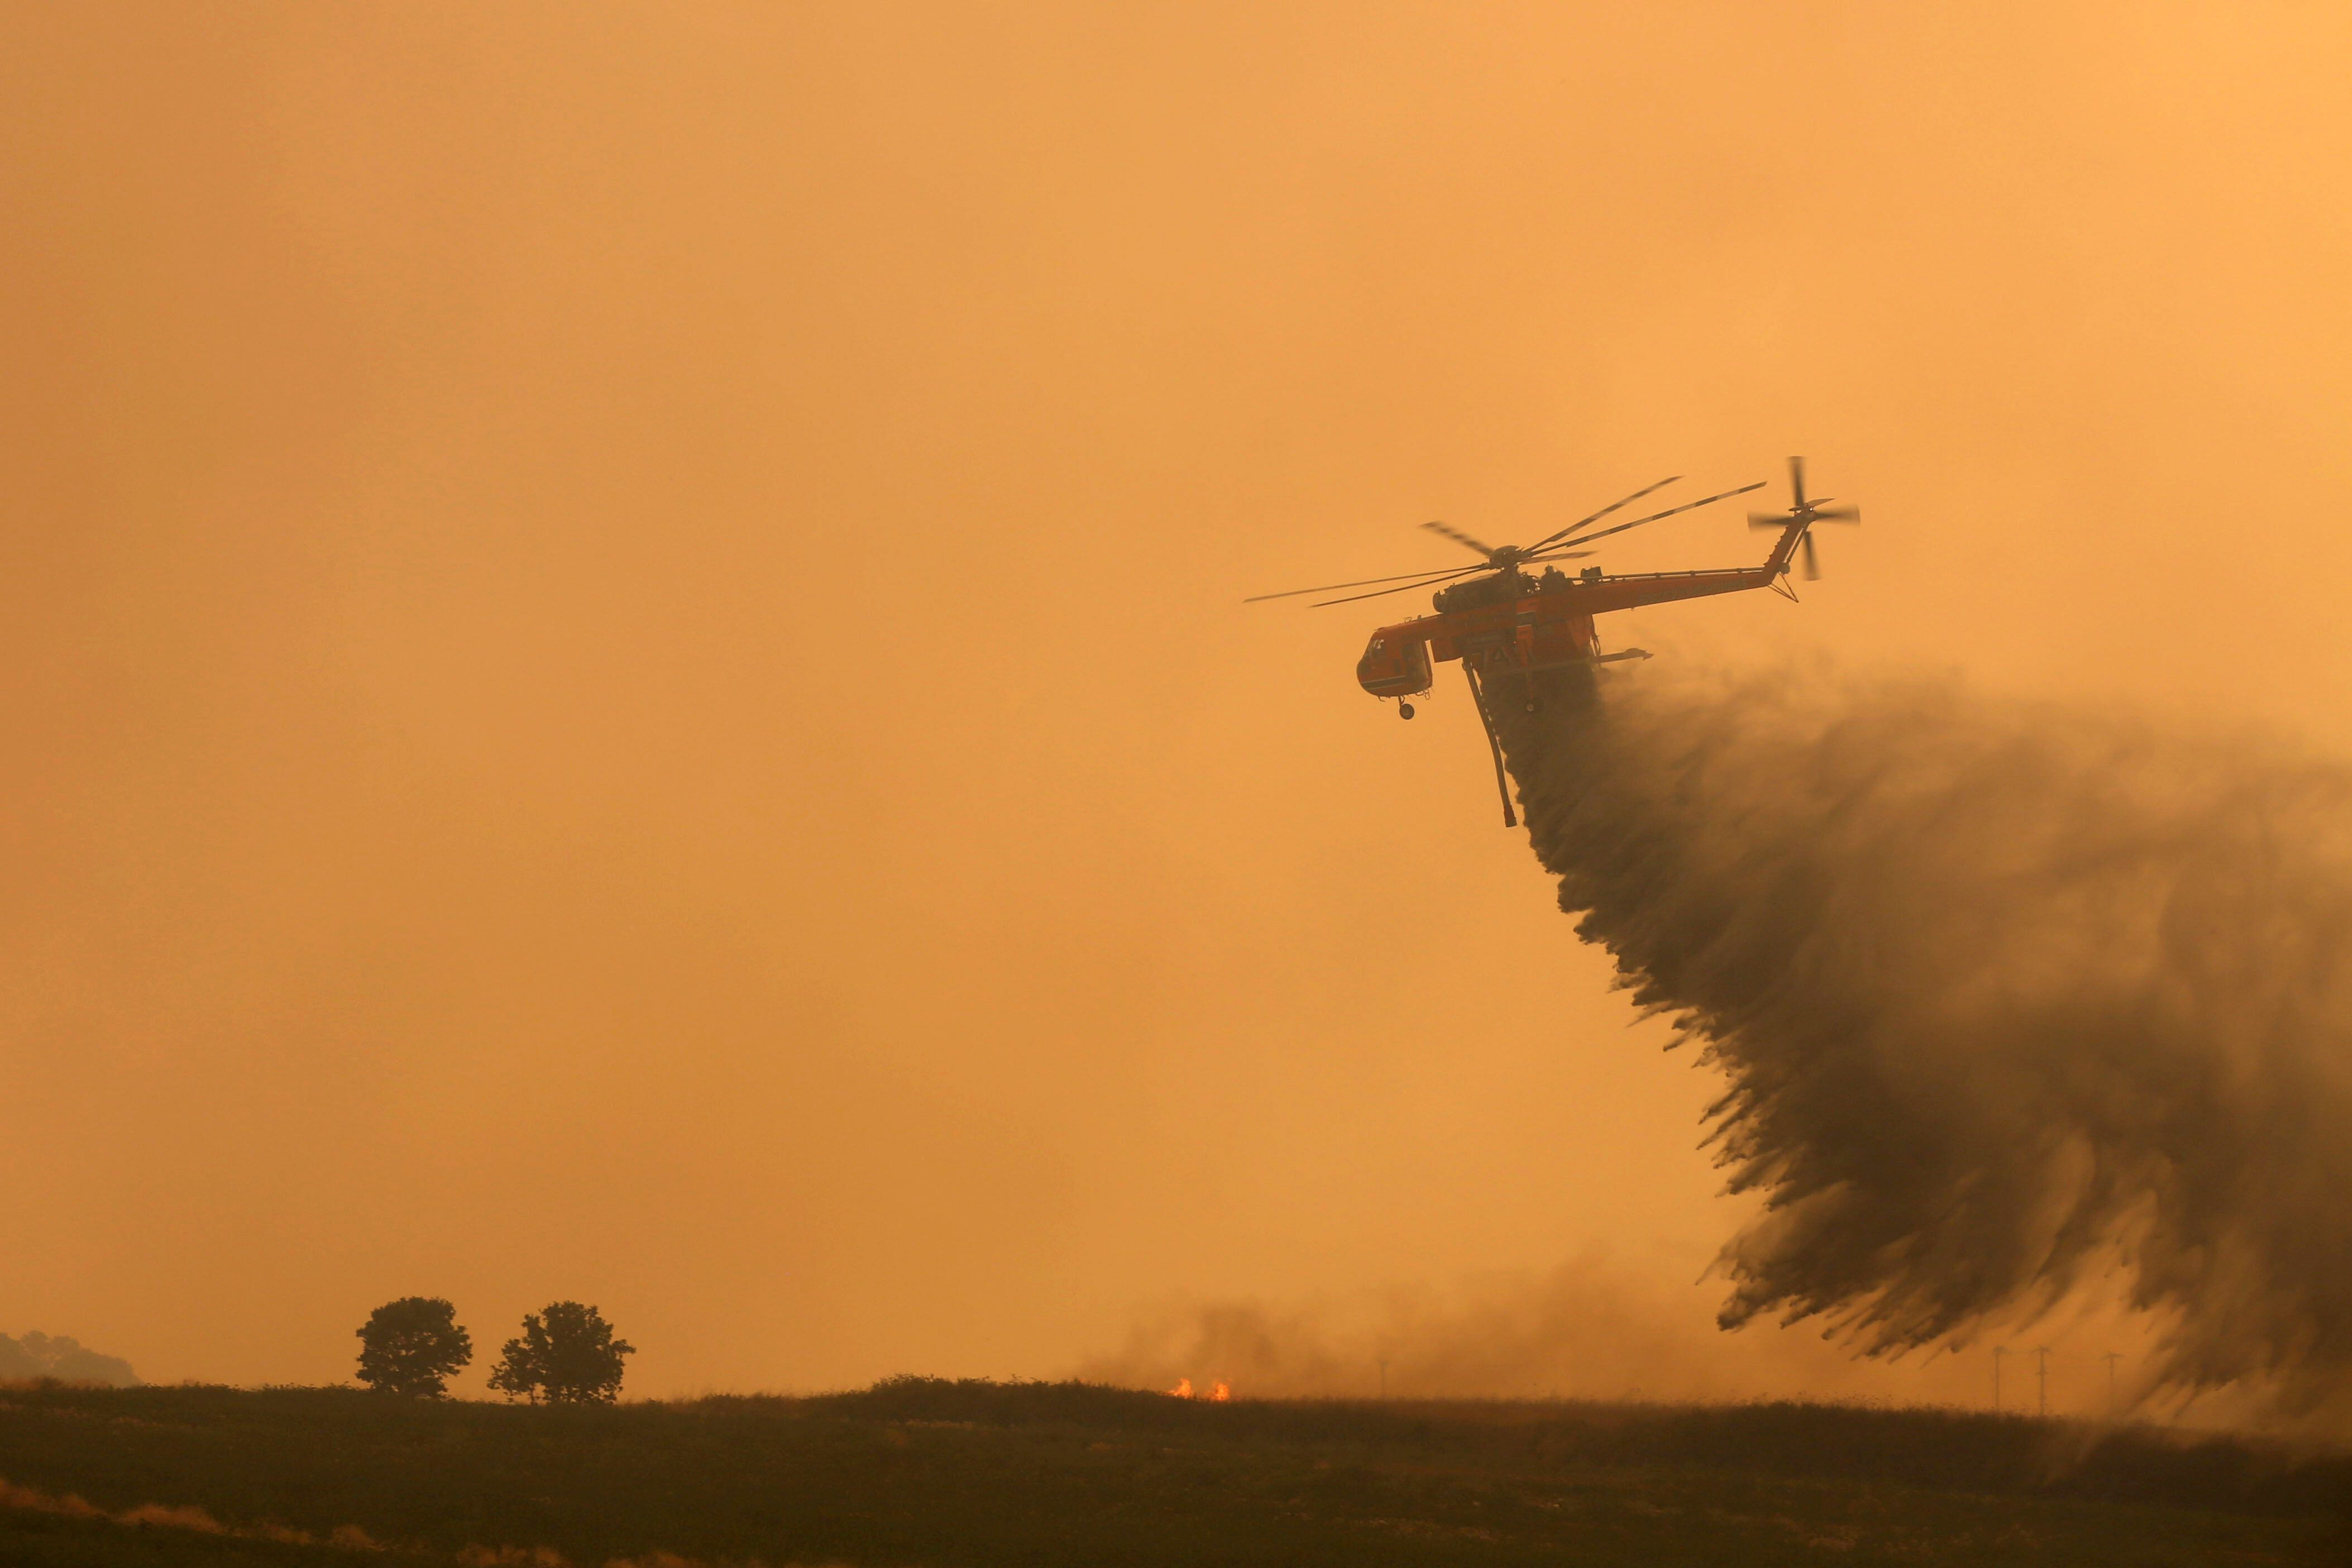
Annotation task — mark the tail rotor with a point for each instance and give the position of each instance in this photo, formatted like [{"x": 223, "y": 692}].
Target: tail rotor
[{"x": 1803, "y": 513}]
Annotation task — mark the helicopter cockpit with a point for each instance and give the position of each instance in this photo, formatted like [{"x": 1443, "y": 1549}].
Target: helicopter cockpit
[{"x": 1393, "y": 666}]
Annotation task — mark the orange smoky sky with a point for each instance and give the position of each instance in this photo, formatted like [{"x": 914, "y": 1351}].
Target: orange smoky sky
[{"x": 624, "y": 667}]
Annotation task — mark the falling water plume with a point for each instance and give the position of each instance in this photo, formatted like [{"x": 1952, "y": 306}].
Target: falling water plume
[{"x": 2001, "y": 994}]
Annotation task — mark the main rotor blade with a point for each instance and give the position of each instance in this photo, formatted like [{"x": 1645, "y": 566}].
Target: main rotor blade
[
  {"x": 1557, "y": 555},
  {"x": 1605, "y": 511},
  {"x": 1459, "y": 538},
  {"x": 1686, "y": 506},
  {"x": 1381, "y": 593},
  {"x": 1366, "y": 583}
]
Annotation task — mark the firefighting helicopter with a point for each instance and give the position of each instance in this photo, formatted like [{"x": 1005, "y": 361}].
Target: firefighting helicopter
[{"x": 1502, "y": 621}]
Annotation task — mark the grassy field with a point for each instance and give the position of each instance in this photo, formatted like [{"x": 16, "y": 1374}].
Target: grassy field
[{"x": 920, "y": 1472}]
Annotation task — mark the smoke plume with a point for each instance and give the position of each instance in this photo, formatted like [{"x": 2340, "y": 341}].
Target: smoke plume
[
  {"x": 2001, "y": 996},
  {"x": 1592, "y": 1327}
]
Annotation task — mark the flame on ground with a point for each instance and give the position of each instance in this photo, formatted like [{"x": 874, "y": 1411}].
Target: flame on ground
[{"x": 1183, "y": 1389}]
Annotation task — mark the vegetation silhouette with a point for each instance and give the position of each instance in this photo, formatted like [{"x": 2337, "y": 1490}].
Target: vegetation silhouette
[
  {"x": 979, "y": 1475},
  {"x": 412, "y": 1346},
  {"x": 566, "y": 1355}
]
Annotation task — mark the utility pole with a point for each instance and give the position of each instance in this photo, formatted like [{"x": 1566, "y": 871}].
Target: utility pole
[
  {"x": 1998, "y": 1352},
  {"x": 2042, "y": 1379},
  {"x": 2113, "y": 1408}
]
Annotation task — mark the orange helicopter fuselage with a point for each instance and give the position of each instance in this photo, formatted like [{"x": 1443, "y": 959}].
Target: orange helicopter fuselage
[
  {"x": 1528, "y": 632},
  {"x": 1512, "y": 622}
]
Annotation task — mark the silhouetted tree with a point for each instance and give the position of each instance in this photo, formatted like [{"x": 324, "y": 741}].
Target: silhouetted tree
[
  {"x": 567, "y": 1355},
  {"x": 410, "y": 1346}
]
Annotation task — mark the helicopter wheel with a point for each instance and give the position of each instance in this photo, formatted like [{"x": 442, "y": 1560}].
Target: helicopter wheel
[{"x": 1404, "y": 710}]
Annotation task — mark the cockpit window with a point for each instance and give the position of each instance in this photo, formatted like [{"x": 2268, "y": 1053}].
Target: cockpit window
[{"x": 1379, "y": 643}]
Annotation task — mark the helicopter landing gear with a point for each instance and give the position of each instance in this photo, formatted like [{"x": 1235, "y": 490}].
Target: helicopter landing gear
[{"x": 1404, "y": 710}]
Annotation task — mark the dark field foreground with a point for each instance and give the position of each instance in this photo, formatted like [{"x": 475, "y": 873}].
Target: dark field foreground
[{"x": 936, "y": 1473}]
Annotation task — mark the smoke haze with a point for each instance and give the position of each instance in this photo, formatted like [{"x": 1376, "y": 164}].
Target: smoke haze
[
  {"x": 1997, "y": 991},
  {"x": 621, "y": 643},
  {"x": 1591, "y": 1328}
]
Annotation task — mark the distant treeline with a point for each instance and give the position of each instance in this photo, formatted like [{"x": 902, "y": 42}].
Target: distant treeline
[{"x": 43, "y": 1355}]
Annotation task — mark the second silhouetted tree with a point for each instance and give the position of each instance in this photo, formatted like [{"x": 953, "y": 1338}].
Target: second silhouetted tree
[
  {"x": 566, "y": 1355},
  {"x": 412, "y": 1345}
]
